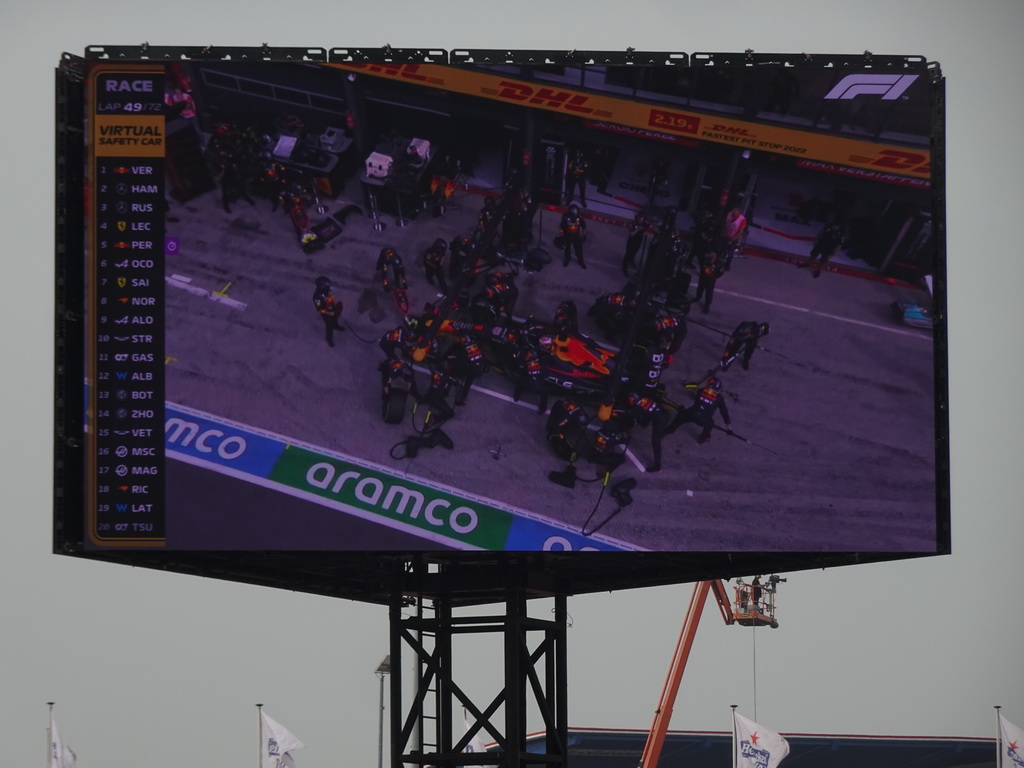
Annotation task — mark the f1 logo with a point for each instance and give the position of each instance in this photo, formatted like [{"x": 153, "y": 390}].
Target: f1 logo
[{"x": 889, "y": 87}]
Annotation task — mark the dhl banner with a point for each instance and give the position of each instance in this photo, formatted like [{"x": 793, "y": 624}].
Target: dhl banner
[{"x": 637, "y": 115}]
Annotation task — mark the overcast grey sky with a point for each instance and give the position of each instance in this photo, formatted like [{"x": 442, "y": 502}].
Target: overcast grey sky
[{"x": 161, "y": 669}]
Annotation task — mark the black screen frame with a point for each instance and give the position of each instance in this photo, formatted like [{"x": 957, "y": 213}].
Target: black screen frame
[{"x": 373, "y": 576}]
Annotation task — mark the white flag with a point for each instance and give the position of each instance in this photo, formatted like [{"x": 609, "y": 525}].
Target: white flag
[
  {"x": 757, "y": 746},
  {"x": 61, "y": 755},
  {"x": 476, "y": 744},
  {"x": 277, "y": 743},
  {"x": 1013, "y": 743}
]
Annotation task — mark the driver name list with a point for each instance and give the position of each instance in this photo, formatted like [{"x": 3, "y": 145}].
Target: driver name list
[{"x": 128, "y": 237}]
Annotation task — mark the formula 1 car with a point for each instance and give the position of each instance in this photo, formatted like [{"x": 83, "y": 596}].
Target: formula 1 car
[
  {"x": 466, "y": 335},
  {"x": 562, "y": 358}
]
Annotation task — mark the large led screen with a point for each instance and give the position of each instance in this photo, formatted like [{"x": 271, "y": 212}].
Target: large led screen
[{"x": 464, "y": 303}]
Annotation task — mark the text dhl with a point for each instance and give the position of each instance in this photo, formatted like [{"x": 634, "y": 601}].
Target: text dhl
[
  {"x": 571, "y": 102},
  {"x": 131, "y": 135}
]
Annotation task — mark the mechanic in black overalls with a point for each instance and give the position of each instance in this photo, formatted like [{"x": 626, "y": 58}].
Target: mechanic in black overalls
[
  {"x": 645, "y": 411},
  {"x": 328, "y": 307},
  {"x": 565, "y": 426},
  {"x": 571, "y": 232},
  {"x": 745, "y": 337},
  {"x": 634, "y": 240},
  {"x": 576, "y": 176},
  {"x": 398, "y": 342},
  {"x": 711, "y": 268},
  {"x": 433, "y": 263},
  {"x": 709, "y": 400}
]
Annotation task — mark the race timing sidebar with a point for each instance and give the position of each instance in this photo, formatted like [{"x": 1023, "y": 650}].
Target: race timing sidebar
[{"x": 126, "y": 245}]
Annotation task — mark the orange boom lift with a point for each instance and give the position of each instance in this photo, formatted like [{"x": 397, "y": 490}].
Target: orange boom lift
[{"x": 753, "y": 605}]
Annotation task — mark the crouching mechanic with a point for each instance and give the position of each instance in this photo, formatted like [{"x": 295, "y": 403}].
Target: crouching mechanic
[
  {"x": 709, "y": 400},
  {"x": 744, "y": 338},
  {"x": 441, "y": 381},
  {"x": 394, "y": 370},
  {"x": 391, "y": 269},
  {"x": 565, "y": 428}
]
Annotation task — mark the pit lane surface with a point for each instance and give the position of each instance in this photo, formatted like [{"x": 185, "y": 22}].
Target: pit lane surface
[
  {"x": 218, "y": 511},
  {"x": 837, "y": 407}
]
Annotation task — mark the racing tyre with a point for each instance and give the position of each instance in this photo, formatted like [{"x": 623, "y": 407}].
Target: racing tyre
[{"x": 394, "y": 406}]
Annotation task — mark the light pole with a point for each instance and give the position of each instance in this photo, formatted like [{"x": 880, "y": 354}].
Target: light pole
[{"x": 383, "y": 669}]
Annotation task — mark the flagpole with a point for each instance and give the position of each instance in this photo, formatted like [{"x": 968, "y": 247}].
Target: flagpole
[
  {"x": 999, "y": 738},
  {"x": 753, "y": 642},
  {"x": 259, "y": 751},
  {"x": 733, "y": 735},
  {"x": 49, "y": 737}
]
